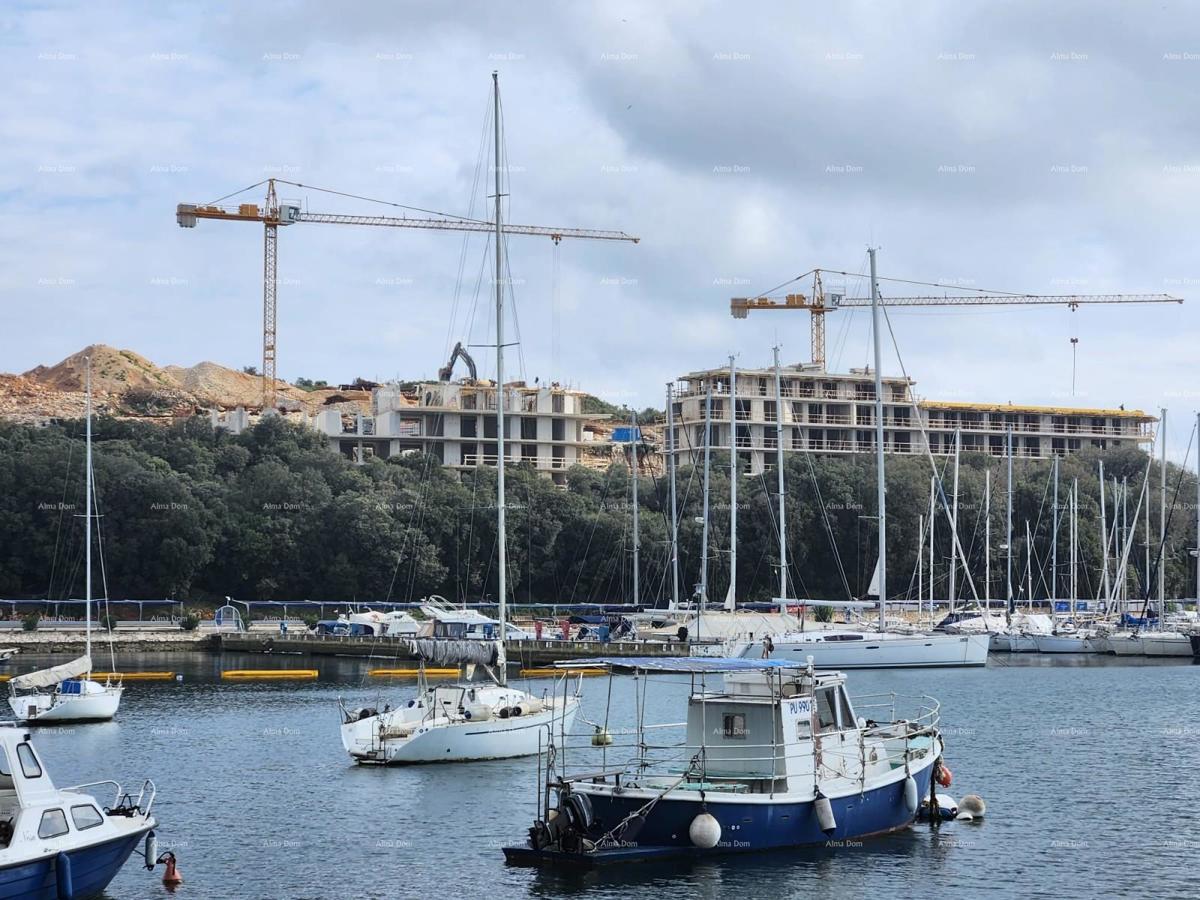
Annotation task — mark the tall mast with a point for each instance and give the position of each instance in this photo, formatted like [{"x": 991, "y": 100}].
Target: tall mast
[
  {"x": 783, "y": 564},
  {"x": 987, "y": 539},
  {"x": 1054, "y": 542},
  {"x": 1198, "y": 512},
  {"x": 954, "y": 525},
  {"x": 881, "y": 484},
  {"x": 932, "y": 524},
  {"x": 674, "y": 509},
  {"x": 87, "y": 518},
  {"x": 502, "y": 658},
  {"x": 704, "y": 514},
  {"x": 633, "y": 436},
  {"x": 1008, "y": 542},
  {"x": 731, "y": 597},
  {"x": 1029, "y": 564},
  {"x": 1162, "y": 521},
  {"x": 1104, "y": 585},
  {"x": 1074, "y": 543},
  {"x": 920, "y": 561}
]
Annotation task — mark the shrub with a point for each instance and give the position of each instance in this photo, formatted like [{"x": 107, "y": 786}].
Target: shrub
[
  {"x": 30, "y": 622},
  {"x": 190, "y": 622}
]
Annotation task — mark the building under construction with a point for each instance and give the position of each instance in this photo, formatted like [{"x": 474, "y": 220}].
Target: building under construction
[{"x": 824, "y": 412}]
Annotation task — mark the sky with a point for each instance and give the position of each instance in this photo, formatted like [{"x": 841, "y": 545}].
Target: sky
[{"x": 1027, "y": 147}]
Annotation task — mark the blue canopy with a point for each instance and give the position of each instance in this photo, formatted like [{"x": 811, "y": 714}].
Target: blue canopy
[{"x": 696, "y": 665}]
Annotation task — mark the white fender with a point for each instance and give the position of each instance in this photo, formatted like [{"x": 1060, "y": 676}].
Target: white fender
[{"x": 705, "y": 831}]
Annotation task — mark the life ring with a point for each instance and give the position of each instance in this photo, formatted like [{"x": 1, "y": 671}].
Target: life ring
[{"x": 942, "y": 774}]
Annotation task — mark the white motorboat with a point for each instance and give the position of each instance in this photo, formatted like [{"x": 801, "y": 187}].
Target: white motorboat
[
  {"x": 66, "y": 693},
  {"x": 62, "y": 842}
]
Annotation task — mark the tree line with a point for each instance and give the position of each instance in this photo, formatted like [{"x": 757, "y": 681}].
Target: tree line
[{"x": 196, "y": 514}]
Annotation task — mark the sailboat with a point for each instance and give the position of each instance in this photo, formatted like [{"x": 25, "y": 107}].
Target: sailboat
[
  {"x": 849, "y": 648},
  {"x": 66, "y": 693},
  {"x": 465, "y": 721}
]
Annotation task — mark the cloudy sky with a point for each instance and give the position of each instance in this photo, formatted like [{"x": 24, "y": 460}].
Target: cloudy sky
[{"x": 1042, "y": 148}]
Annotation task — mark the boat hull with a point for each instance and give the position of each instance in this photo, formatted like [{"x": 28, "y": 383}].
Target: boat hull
[
  {"x": 747, "y": 825},
  {"x": 92, "y": 869},
  {"x": 916, "y": 651},
  {"x": 38, "y": 709},
  {"x": 1062, "y": 643},
  {"x": 1166, "y": 644},
  {"x": 460, "y": 741}
]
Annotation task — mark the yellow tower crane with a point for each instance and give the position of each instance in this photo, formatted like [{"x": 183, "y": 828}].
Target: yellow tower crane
[
  {"x": 818, "y": 303},
  {"x": 274, "y": 214}
]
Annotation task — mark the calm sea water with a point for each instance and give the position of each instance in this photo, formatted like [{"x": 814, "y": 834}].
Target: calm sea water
[{"x": 1091, "y": 773}]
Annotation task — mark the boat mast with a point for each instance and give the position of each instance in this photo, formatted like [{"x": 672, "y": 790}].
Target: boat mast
[
  {"x": 1054, "y": 542},
  {"x": 1162, "y": 521},
  {"x": 881, "y": 484},
  {"x": 731, "y": 597},
  {"x": 87, "y": 520},
  {"x": 704, "y": 514},
  {"x": 1074, "y": 538},
  {"x": 633, "y": 437},
  {"x": 674, "y": 510},
  {"x": 1008, "y": 505},
  {"x": 1104, "y": 585},
  {"x": 1198, "y": 513},
  {"x": 932, "y": 523},
  {"x": 502, "y": 658},
  {"x": 783, "y": 565},
  {"x": 987, "y": 539},
  {"x": 954, "y": 525},
  {"x": 1029, "y": 564}
]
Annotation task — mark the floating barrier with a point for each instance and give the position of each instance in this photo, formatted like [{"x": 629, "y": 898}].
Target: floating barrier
[
  {"x": 410, "y": 673},
  {"x": 136, "y": 676},
  {"x": 555, "y": 671},
  {"x": 270, "y": 673}
]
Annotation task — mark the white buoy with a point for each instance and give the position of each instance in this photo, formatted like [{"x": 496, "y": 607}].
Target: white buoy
[
  {"x": 971, "y": 807},
  {"x": 824, "y": 810},
  {"x": 705, "y": 831},
  {"x": 910, "y": 794}
]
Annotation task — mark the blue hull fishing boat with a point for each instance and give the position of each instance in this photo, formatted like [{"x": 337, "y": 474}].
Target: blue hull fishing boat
[
  {"x": 60, "y": 843},
  {"x": 772, "y": 756}
]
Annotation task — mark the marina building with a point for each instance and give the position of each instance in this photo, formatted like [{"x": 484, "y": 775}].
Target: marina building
[{"x": 825, "y": 412}]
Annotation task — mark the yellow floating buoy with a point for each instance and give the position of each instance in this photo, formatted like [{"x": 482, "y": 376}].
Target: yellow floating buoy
[
  {"x": 136, "y": 676},
  {"x": 270, "y": 673},
  {"x": 552, "y": 672},
  {"x": 410, "y": 673}
]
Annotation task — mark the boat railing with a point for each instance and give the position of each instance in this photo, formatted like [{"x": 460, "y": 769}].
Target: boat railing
[
  {"x": 146, "y": 794},
  {"x": 920, "y": 710}
]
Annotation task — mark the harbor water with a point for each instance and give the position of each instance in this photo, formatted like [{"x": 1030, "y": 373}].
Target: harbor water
[{"x": 1090, "y": 768}]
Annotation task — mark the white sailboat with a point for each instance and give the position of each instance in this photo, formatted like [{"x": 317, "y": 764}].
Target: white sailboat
[
  {"x": 848, "y": 648},
  {"x": 66, "y": 693},
  {"x": 464, "y": 721}
]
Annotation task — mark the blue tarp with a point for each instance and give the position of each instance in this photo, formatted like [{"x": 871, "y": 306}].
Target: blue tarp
[{"x": 687, "y": 664}]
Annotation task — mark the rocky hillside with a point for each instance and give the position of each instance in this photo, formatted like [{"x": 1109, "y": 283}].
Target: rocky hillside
[{"x": 128, "y": 385}]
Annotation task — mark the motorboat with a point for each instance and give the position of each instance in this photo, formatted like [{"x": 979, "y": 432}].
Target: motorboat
[
  {"x": 772, "y": 755},
  {"x": 63, "y": 842}
]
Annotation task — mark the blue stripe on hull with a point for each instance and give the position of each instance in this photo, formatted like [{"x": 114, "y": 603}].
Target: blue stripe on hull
[
  {"x": 756, "y": 826},
  {"x": 92, "y": 868}
]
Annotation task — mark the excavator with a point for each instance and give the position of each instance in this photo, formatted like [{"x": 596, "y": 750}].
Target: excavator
[{"x": 460, "y": 352}]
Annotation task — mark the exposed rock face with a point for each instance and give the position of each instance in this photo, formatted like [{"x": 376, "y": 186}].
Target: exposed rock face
[{"x": 127, "y": 384}]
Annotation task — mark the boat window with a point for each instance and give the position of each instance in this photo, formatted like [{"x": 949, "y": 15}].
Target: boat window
[
  {"x": 6, "y": 781},
  {"x": 826, "y": 714},
  {"x": 844, "y": 711},
  {"x": 29, "y": 763},
  {"x": 54, "y": 823},
  {"x": 735, "y": 726},
  {"x": 86, "y": 816}
]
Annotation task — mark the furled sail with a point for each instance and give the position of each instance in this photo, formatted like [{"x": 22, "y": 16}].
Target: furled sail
[
  {"x": 46, "y": 678},
  {"x": 873, "y": 588},
  {"x": 454, "y": 653}
]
